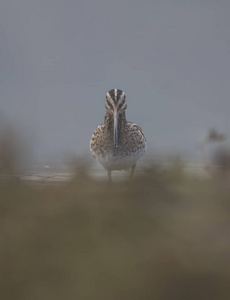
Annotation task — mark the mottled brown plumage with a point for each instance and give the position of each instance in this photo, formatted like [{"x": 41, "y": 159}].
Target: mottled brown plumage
[{"x": 117, "y": 144}]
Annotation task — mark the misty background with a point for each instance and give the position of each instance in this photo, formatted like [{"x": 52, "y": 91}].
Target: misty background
[{"x": 59, "y": 58}]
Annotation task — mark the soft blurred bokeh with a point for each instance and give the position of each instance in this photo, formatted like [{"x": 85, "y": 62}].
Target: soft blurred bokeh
[
  {"x": 162, "y": 235},
  {"x": 66, "y": 233}
]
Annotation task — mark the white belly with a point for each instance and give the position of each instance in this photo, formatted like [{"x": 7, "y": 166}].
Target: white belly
[{"x": 119, "y": 162}]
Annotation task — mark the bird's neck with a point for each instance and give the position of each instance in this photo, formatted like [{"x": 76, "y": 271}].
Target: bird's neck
[{"x": 109, "y": 120}]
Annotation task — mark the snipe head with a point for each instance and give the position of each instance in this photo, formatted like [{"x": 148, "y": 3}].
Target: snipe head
[{"x": 115, "y": 105}]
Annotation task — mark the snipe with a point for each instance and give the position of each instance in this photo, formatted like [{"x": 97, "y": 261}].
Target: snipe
[{"x": 117, "y": 144}]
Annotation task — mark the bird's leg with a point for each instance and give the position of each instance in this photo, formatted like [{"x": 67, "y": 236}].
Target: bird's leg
[
  {"x": 132, "y": 171},
  {"x": 109, "y": 175}
]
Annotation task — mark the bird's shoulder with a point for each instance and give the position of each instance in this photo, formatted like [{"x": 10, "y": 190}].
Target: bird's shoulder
[
  {"x": 137, "y": 129},
  {"x": 98, "y": 131},
  {"x": 96, "y": 141}
]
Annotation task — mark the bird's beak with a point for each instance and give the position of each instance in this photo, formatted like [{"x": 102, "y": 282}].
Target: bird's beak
[{"x": 115, "y": 136}]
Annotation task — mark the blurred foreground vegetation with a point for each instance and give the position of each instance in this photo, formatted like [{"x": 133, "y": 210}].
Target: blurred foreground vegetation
[{"x": 163, "y": 235}]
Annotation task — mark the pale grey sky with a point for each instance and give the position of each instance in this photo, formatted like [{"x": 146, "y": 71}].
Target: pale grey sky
[{"x": 58, "y": 58}]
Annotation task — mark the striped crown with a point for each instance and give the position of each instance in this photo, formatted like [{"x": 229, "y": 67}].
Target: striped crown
[{"x": 115, "y": 99}]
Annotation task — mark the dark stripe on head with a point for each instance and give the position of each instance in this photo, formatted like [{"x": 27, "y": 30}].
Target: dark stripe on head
[
  {"x": 119, "y": 93},
  {"x": 109, "y": 104},
  {"x": 121, "y": 104},
  {"x": 112, "y": 94}
]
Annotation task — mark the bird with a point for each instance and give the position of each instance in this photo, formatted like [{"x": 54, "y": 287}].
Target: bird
[{"x": 117, "y": 144}]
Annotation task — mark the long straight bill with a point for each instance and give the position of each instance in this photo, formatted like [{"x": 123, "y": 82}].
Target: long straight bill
[{"x": 115, "y": 137}]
